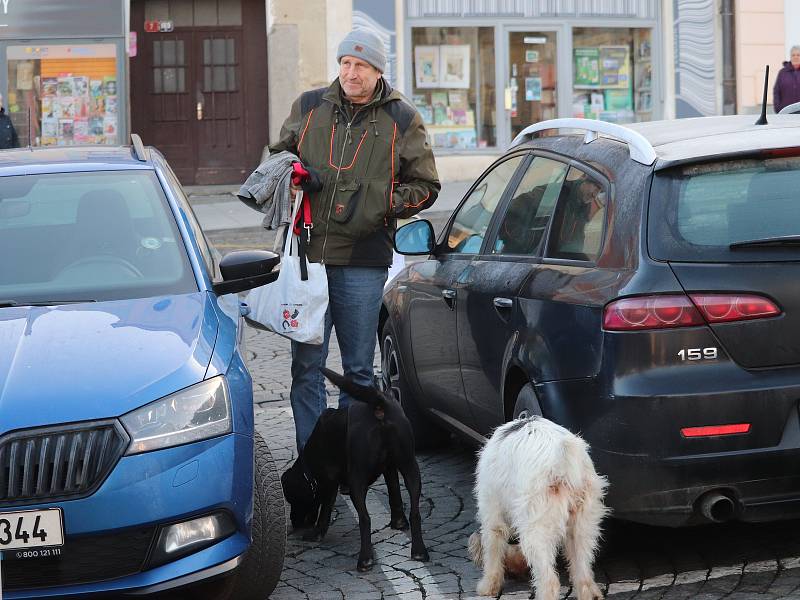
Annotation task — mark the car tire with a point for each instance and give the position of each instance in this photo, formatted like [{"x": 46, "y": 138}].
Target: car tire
[
  {"x": 527, "y": 404},
  {"x": 426, "y": 434},
  {"x": 258, "y": 574}
]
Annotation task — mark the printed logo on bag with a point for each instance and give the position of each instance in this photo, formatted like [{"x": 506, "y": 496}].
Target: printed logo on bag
[
  {"x": 339, "y": 209},
  {"x": 290, "y": 320}
]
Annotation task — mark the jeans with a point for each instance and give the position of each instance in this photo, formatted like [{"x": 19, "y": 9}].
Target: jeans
[{"x": 354, "y": 304}]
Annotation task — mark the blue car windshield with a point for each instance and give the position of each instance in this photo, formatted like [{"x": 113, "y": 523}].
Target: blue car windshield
[{"x": 92, "y": 236}]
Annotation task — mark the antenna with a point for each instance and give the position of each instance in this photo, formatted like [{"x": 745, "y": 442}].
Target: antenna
[
  {"x": 30, "y": 129},
  {"x": 762, "y": 120}
]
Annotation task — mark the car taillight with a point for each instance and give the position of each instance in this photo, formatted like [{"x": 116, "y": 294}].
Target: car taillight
[
  {"x": 651, "y": 312},
  {"x": 678, "y": 310},
  {"x": 715, "y": 430},
  {"x": 720, "y": 308}
]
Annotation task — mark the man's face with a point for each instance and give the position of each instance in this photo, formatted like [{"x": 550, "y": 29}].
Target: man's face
[
  {"x": 795, "y": 58},
  {"x": 358, "y": 78}
]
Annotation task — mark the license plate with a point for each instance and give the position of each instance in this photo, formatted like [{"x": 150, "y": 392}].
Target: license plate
[{"x": 31, "y": 529}]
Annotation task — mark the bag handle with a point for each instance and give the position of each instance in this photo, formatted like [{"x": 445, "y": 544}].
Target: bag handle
[{"x": 300, "y": 242}]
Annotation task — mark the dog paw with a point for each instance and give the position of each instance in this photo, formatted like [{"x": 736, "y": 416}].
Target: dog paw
[
  {"x": 588, "y": 590},
  {"x": 312, "y": 536},
  {"x": 420, "y": 555},
  {"x": 489, "y": 587},
  {"x": 400, "y": 523},
  {"x": 365, "y": 564}
]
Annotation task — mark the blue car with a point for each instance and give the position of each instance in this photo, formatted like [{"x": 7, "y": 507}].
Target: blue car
[{"x": 129, "y": 463}]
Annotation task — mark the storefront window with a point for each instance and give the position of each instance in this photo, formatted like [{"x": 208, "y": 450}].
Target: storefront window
[
  {"x": 612, "y": 74},
  {"x": 454, "y": 85},
  {"x": 63, "y": 94}
]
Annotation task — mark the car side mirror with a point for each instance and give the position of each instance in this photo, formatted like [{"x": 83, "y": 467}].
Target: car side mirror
[
  {"x": 415, "y": 238},
  {"x": 246, "y": 269}
]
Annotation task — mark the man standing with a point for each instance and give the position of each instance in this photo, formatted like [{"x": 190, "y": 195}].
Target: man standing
[
  {"x": 367, "y": 149},
  {"x": 787, "y": 83},
  {"x": 8, "y": 135}
]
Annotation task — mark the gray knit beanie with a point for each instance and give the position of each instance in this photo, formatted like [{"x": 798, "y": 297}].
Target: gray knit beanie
[{"x": 366, "y": 45}]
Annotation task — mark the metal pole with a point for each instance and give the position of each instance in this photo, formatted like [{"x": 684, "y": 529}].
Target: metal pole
[
  {"x": 1, "y": 576},
  {"x": 728, "y": 57}
]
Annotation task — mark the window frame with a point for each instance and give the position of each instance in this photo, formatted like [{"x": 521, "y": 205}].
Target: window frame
[
  {"x": 442, "y": 249},
  {"x": 487, "y": 254},
  {"x": 609, "y": 189}
]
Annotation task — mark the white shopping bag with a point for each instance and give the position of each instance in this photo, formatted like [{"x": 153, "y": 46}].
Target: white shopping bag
[{"x": 290, "y": 306}]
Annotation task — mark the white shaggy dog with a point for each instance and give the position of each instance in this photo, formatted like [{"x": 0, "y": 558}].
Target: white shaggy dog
[{"x": 535, "y": 479}]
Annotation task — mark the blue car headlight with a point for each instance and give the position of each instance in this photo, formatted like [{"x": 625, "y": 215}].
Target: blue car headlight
[{"x": 195, "y": 413}]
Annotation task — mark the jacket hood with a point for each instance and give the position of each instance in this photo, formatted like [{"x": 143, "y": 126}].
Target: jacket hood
[
  {"x": 787, "y": 66},
  {"x": 79, "y": 362}
]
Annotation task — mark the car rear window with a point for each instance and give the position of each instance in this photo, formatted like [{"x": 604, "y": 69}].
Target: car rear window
[
  {"x": 72, "y": 237},
  {"x": 697, "y": 211}
]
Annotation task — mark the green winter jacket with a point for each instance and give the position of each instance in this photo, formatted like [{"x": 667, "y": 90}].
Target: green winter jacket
[{"x": 376, "y": 165}]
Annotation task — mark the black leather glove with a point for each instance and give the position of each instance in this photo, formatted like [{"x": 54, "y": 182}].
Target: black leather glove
[{"x": 312, "y": 183}]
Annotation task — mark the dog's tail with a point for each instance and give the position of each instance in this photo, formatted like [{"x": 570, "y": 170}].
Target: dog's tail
[{"x": 363, "y": 393}]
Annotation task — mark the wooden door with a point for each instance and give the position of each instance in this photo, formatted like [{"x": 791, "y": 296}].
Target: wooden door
[
  {"x": 219, "y": 126},
  {"x": 199, "y": 93},
  {"x": 168, "y": 102}
]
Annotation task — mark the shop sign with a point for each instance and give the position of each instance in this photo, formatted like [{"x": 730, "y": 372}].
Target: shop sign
[
  {"x": 158, "y": 26},
  {"x": 21, "y": 19}
]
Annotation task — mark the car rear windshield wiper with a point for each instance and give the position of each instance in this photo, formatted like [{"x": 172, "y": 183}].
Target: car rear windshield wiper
[
  {"x": 7, "y": 303},
  {"x": 781, "y": 241}
]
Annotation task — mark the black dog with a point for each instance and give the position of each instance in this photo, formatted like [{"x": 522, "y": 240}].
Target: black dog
[{"x": 355, "y": 446}]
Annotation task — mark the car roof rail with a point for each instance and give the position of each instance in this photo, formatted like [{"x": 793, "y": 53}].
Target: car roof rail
[
  {"x": 790, "y": 109},
  {"x": 139, "y": 152},
  {"x": 639, "y": 148}
]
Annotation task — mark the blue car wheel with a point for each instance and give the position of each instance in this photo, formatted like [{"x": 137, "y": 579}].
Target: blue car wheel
[{"x": 258, "y": 575}]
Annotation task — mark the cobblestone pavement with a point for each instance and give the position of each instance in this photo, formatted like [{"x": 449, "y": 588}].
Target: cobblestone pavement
[{"x": 733, "y": 561}]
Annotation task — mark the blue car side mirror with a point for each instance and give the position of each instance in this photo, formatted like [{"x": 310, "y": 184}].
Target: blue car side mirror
[
  {"x": 415, "y": 238},
  {"x": 245, "y": 269}
]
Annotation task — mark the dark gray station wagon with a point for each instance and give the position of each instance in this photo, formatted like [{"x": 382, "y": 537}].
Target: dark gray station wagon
[{"x": 639, "y": 285}]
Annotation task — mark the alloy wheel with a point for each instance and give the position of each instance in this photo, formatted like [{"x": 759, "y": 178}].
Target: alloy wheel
[{"x": 390, "y": 367}]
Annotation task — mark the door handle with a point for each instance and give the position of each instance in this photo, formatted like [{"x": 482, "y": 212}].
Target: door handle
[
  {"x": 449, "y": 297},
  {"x": 503, "y": 302},
  {"x": 199, "y": 111}
]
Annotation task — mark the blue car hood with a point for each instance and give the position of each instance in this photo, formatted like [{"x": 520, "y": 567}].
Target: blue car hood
[{"x": 90, "y": 361}]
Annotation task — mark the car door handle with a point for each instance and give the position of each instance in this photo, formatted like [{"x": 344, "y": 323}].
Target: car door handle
[
  {"x": 449, "y": 297},
  {"x": 503, "y": 302}
]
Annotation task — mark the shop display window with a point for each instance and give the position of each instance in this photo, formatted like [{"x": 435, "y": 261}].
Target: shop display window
[
  {"x": 454, "y": 85},
  {"x": 63, "y": 95},
  {"x": 612, "y": 74}
]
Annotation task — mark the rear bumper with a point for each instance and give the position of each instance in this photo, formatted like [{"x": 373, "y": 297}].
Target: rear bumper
[{"x": 651, "y": 484}]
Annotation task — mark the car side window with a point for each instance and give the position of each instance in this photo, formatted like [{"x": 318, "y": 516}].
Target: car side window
[
  {"x": 473, "y": 217},
  {"x": 525, "y": 223},
  {"x": 579, "y": 221},
  {"x": 202, "y": 243}
]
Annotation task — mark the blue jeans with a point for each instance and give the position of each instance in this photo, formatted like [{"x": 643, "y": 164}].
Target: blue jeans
[{"x": 354, "y": 304}]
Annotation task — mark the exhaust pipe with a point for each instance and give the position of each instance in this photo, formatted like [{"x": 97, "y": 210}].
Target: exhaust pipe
[{"x": 717, "y": 507}]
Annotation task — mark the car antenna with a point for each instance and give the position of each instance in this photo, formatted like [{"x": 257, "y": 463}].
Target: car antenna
[{"x": 762, "y": 120}]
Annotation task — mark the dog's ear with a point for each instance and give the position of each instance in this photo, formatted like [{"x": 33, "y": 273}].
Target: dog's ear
[{"x": 364, "y": 393}]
